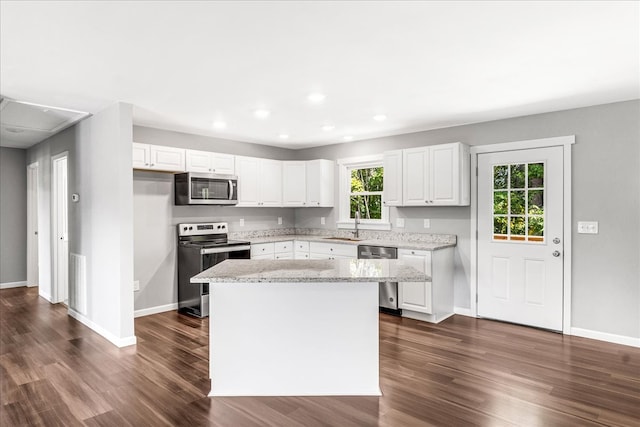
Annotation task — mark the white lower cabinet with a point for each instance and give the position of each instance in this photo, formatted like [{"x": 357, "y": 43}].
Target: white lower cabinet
[
  {"x": 322, "y": 250},
  {"x": 300, "y": 249},
  {"x": 283, "y": 250},
  {"x": 430, "y": 301},
  {"x": 262, "y": 251}
]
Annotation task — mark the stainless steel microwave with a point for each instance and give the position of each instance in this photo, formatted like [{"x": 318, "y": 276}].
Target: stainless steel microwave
[{"x": 205, "y": 189}]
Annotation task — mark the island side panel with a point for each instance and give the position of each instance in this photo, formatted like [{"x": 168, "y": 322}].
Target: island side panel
[{"x": 294, "y": 339}]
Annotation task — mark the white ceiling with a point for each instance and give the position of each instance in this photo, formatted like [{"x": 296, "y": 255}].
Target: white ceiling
[{"x": 423, "y": 64}]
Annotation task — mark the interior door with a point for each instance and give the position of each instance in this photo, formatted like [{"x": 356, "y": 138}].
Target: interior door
[
  {"x": 32, "y": 225},
  {"x": 61, "y": 230},
  {"x": 520, "y": 212}
]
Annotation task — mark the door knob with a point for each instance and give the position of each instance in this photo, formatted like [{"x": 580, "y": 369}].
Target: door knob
[{"x": 556, "y": 254}]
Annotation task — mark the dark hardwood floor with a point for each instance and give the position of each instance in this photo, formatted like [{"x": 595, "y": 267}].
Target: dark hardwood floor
[{"x": 462, "y": 372}]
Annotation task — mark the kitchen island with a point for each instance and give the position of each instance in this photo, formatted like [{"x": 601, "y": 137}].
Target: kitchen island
[{"x": 297, "y": 327}]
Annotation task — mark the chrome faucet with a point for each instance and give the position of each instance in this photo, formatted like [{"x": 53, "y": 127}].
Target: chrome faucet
[{"x": 357, "y": 221}]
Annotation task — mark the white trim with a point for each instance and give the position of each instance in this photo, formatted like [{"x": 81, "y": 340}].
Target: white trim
[
  {"x": 33, "y": 270},
  {"x": 155, "y": 310},
  {"x": 371, "y": 158},
  {"x": 463, "y": 311},
  {"x": 343, "y": 221},
  {"x": 119, "y": 342},
  {"x": 9, "y": 285},
  {"x": 604, "y": 336},
  {"x": 41, "y": 293},
  {"x": 56, "y": 288},
  {"x": 566, "y": 142}
]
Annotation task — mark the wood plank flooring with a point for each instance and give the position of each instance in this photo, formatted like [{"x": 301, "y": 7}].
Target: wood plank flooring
[{"x": 462, "y": 372}]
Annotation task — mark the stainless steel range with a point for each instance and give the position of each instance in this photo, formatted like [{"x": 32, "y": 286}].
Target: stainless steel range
[{"x": 201, "y": 246}]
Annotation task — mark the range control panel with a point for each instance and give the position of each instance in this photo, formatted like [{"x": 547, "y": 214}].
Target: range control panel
[{"x": 202, "y": 229}]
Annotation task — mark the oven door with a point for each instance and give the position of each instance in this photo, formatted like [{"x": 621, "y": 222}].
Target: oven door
[{"x": 213, "y": 256}]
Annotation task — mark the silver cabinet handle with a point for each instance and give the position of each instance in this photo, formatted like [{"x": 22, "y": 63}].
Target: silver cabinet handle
[{"x": 556, "y": 254}]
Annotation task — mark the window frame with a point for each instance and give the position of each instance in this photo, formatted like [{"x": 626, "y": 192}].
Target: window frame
[{"x": 344, "y": 202}]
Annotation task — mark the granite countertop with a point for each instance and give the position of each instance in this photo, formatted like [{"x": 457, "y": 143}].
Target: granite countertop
[
  {"x": 309, "y": 271},
  {"x": 400, "y": 244}
]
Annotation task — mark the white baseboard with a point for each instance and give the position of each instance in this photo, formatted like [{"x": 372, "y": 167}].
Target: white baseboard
[
  {"x": 9, "y": 285},
  {"x": 155, "y": 310},
  {"x": 43, "y": 295},
  {"x": 604, "y": 336},
  {"x": 119, "y": 342},
  {"x": 463, "y": 311}
]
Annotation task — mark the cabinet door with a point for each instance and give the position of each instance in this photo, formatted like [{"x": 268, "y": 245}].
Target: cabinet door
[
  {"x": 140, "y": 156},
  {"x": 247, "y": 169},
  {"x": 414, "y": 176},
  {"x": 198, "y": 161},
  {"x": 320, "y": 183},
  {"x": 294, "y": 184},
  {"x": 270, "y": 180},
  {"x": 444, "y": 171},
  {"x": 167, "y": 158},
  {"x": 261, "y": 250},
  {"x": 393, "y": 178},
  {"x": 223, "y": 163},
  {"x": 415, "y": 296}
]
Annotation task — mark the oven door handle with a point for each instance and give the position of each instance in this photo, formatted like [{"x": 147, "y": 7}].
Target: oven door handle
[{"x": 223, "y": 250}]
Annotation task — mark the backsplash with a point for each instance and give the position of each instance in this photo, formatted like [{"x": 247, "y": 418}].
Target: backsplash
[{"x": 364, "y": 235}]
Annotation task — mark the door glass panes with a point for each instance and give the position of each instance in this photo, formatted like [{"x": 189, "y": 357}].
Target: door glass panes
[{"x": 518, "y": 202}]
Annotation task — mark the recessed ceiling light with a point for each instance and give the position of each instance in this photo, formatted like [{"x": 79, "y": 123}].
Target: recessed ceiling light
[
  {"x": 284, "y": 136},
  {"x": 347, "y": 138},
  {"x": 219, "y": 124},
  {"x": 261, "y": 113},
  {"x": 327, "y": 128},
  {"x": 379, "y": 117},
  {"x": 316, "y": 97}
]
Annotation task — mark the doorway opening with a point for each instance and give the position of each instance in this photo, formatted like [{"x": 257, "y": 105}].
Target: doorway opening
[
  {"x": 33, "y": 278},
  {"x": 60, "y": 208}
]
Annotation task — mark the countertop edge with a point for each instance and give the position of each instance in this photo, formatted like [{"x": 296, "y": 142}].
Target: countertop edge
[{"x": 424, "y": 246}]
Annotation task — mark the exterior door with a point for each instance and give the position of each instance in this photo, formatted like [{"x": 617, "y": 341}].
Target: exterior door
[
  {"x": 520, "y": 230},
  {"x": 61, "y": 230}
]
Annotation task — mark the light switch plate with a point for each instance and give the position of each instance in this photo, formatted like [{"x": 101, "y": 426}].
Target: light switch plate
[
  {"x": 322, "y": 221},
  {"x": 400, "y": 222},
  {"x": 427, "y": 223},
  {"x": 136, "y": 285},
  {"x": 241, "y": 222},
  {"x": 279, "y": 220},
  {"x": 587, "y": 227}
]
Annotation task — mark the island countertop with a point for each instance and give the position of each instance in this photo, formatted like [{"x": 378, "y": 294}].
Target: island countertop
[{"x": 308, "y": 271}]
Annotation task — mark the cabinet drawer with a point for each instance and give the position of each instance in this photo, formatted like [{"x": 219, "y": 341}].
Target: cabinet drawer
[
  {"x": 283, "y": 247},
  {"x": 261, "y": 249},
  {"x": 284, "y": 255},
  {"x": 333, "y": 249},
  {"x": 301, "y": 246}
]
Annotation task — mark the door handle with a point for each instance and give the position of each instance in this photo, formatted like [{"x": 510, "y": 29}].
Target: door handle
[{"x": 556, "y": 254}]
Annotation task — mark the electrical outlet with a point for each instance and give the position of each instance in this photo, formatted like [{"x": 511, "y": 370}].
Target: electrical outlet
[
  {"x": 400, "y": 222},
  {"x": 588, "y": 227},
  {"x": 136, "y": 285},
  {"x": 322, "y": 221},
  {"x": 241, "y": 222},
  {"x": 279, "y": 220},
  {"x": 427, "y": 223}
]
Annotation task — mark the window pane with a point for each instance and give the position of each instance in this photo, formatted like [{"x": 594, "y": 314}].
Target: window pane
[
  {"x": 536, "y": 226},
  {"x": 370, "y": 179},
  {"x": 370, "y": 206},
  {"x": 536, "y": 202},
  {"x": 517, "y": 176},
  {"x": 517, "y": 226},
  {"x": 500, "y": 202},
  {"x": 500, "y": 177},
  {"x": 517, "y": 202},
  {"x": 536, "y": 175},
  {"x": 500, "y": 225}
]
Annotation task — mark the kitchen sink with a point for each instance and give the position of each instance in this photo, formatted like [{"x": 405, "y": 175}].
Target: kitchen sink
[{"x": 345, "y": 239}]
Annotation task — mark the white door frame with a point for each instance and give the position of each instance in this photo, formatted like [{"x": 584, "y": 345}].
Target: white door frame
[
  {"x": 564, "y": 141},
  {"x": 33, "y": 271},
  {"x": 57, "y": 294}
]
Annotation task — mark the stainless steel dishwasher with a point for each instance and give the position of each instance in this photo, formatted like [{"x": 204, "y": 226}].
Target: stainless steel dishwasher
[{"x": 388, "y": 295}]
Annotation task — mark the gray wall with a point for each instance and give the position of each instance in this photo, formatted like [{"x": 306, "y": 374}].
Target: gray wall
[
  {"x": 13, "y": 215},
  {"x": 101, "y": 223},
  {"x": 156, "y": 217},
  {"x": 606, "y": 188}
]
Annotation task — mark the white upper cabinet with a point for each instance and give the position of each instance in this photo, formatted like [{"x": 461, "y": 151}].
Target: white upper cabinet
[
  {"x": 437, "y": 175},
  {"x": 259, "y": 181},
  {"x": 320, "y": 183},
  {"x": 294, "y": 183},
  {"x": 158, "y": 157},
  {"x": 206, "y": 161},
  {"x": 392, "y": 178}
]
